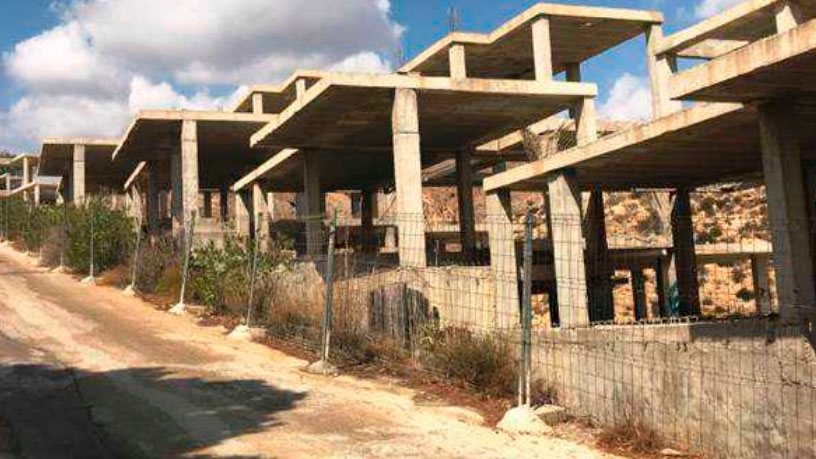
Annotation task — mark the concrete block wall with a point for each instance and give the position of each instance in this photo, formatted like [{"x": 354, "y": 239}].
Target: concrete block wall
[{"x": 732, "y": 389}]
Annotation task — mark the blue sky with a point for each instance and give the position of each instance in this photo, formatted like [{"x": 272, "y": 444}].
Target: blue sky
[{"x": 82, "y": 67}]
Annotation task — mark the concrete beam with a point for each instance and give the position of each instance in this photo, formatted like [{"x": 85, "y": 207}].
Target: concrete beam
[
  {"x": 788, "y": 210},
  {"x": 408, "y": 178},
  {"x": 564, "y": 213}
]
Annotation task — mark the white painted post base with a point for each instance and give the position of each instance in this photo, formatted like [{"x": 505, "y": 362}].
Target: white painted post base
[
  {"x": 130, "y": 290},
  {"x": 91, "y": 280},
  {"x": 241, "y": 332},
  {"x": 178, "y": 310},
  {"x": 321, "y": 367},
  {"x": 523, "y": 420}
]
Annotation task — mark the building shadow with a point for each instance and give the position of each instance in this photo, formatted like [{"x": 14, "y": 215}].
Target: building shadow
[{"x": 55, "y": 412}]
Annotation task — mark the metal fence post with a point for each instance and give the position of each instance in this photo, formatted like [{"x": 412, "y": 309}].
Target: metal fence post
[
  {"x": 323, "y": 366},
  {"x": 188, "y": 246},
  {"x": 253, "y": 269},
  {"x": 131, "y": 289},
  {"x": 91, "y": 279},
  {"x": 527, "y": 314}
]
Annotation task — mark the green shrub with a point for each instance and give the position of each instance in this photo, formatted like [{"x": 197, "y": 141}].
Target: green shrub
[
  {"x": 113, "y": 236},
  {"x": 155, "y": 258}
]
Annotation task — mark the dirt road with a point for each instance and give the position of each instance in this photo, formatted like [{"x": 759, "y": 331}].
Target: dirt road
[{"x": 88, "y": 372}]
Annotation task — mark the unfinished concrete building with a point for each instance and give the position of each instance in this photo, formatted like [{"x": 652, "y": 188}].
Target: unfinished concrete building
[
  {"x": 750, "y": 121},
  {"x": 83, "y": 166}
]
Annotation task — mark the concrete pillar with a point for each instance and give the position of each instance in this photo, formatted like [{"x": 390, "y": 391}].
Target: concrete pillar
[
  {"x": 685, "y": 258},
  {"x": 176, "y": 180},
  {"x": 36, "y": 195},
  {"x": 257, "y": 103},
  {"x": 223, "y": 203},
  {"x": 78, "y": 175},
  {"x": 208, "y": 204},
  {"x": 788, "y": 210},
  {"x": 762, "y": 283},
  {"x": 573, "y": 74},
  {"x": 599, "y": 271},
  {"x": 260, "y": 212},
  {"x": 788, "y": 15},
  {"x": 300, "y": 88},
  {"x": 542, "y": 49},
  {"x": 314, "y": 202},
  {"x": 464, "y": 192},
  {"x": 503, "y": 263},
  {"x": 639, "y": 293},
  {"x": 136, "y": 206},
  {"x": 661, "y": 68},
  {"x": 153, "y": 198},
  {"x": 456, "y": 60},
  {"x": 586, "y": 123},
  {"x": 664, "y": 281},
  {"x": 408, "y": 179},
  {"x": 189, "y": 170},
  {"x": 564, "y": 213},
  {"x": 368, "y": 212},
  {"x": 243, "y": 213}
]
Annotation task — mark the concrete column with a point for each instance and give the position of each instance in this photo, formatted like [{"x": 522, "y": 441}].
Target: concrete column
[
  {"x": 408, "y": 179},
  {"x": 257, "y": 104},
  {"x": 788, "y": 15},
  {"x": 189, "y": 170},
  {"x": 136, "y": 202},
  {"x": 223, "y": 203},
  {"x": 599, "y": 271},
  {"x": 762, "y": 283},
  {"x": 300, "y": 88},
  {"x": 208, "y": 205},
  {"x": 78, "y": 175},
  {"x": 368, "y": 212},
  {"x": 564, "y": 213},
  {"x": 464, "y": 191},
  {"x": 314, "y": 202},
  {"x": 243, "y": 213},
  {"x": 788, "y": 210},
  {"x": 661, "y": 68},
  {"x": 586, "y": 123},
  {"x": 176, "y": 180},
  {"x": 153, "y": 193},
  {"x": 260, "y": 212},
  {"x": 685, "y": 258},
  {"x": 542, "y": 50},
  {"x": 664, "y": 281},
  {"x": 456, "y": 60},
  {"x": 36, "y": 195},
  {"x": 503, "y": 263},
  {"x": 574, "y": 76},
  {"x": 639, "y": 293}
]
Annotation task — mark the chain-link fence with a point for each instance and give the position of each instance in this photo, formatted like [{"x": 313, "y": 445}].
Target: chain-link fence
[{"x": 698, "y": 330}]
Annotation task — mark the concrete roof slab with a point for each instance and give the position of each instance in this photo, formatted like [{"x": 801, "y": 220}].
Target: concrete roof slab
[
  {"x": 776, "y": 66},
  {"x": 354, "y": 111},
  {"x": 277, "y": 97},
  {"x": 698, "y": 146},
  {"x": 577, "y": 32},
  {"x": 223, "y": 142},
  {"x": 57, "y": 158}
]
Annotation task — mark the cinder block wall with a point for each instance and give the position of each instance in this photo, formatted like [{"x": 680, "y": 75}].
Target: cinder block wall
[{"x": 732, "y": 389}]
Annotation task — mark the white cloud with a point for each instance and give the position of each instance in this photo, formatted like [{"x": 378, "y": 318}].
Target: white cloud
[
  {"x": 109, "y": 58},
  {"x": 707, "y": 8},
  {"x": 629, "y": 99}
]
